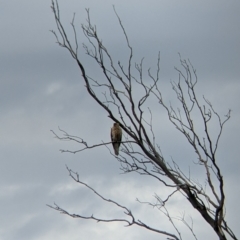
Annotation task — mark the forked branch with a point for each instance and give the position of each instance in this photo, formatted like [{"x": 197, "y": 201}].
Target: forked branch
[
  {"x": 126, "y": 211},
  {"x": 123, "y": 103}
]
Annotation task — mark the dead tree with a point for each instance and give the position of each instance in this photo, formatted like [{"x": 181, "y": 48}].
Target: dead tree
[{"x": 140, "y": 152}]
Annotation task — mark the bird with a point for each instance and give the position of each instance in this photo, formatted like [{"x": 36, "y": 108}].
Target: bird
[{"x": 116, "y": 137}]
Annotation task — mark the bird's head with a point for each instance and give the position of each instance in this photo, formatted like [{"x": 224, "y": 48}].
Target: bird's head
[{"x": 116, "y": 124}]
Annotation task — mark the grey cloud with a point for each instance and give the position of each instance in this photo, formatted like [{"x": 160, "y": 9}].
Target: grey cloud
[{"x": 41, "y": 88}]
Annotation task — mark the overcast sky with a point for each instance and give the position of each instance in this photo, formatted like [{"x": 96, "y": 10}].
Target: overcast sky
[{"x": 41, "y": 88}]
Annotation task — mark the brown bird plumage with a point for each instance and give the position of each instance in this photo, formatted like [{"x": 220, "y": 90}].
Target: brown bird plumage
[{"x": 116, "y": 137}]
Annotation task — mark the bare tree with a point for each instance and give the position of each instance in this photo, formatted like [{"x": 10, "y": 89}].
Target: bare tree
[{"x": 140, "y": 153}]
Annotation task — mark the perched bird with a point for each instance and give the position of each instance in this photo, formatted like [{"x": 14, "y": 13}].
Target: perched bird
[{"x": 116, "y": 137}]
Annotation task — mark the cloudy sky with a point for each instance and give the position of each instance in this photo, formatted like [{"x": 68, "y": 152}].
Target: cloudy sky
[{"x": 41, "y": 88}]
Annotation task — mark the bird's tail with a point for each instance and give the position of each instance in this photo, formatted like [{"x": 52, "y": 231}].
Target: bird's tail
[{"x": 116, "y": 149}]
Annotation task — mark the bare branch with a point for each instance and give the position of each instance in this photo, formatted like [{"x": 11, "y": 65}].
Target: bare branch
[
  {"x": 126, "y": 211},
  {"x": 118, "y": 86}
]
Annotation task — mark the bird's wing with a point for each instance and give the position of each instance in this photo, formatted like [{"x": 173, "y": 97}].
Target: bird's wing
[
  {"x": 120, "y": 137},
  {"x": 111, "y": 134}
]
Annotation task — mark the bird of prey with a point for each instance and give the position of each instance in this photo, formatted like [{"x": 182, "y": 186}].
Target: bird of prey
[{"x": 116, "y": 137}]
